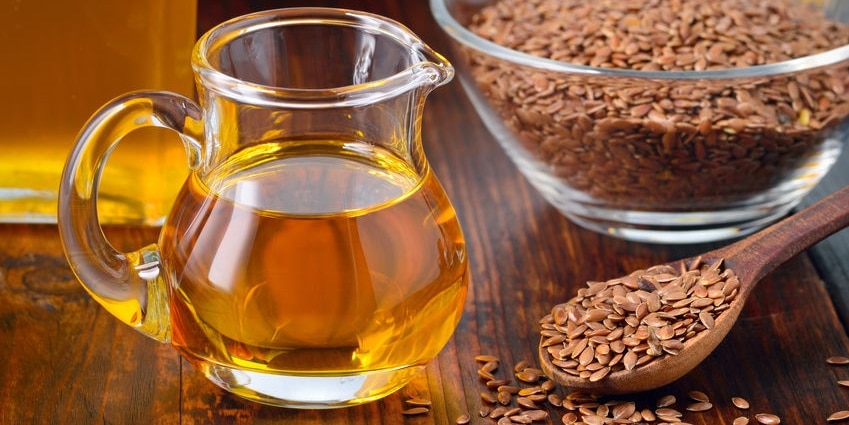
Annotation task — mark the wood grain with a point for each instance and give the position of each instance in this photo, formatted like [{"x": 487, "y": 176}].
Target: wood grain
[{"x": 66, "y": 361}]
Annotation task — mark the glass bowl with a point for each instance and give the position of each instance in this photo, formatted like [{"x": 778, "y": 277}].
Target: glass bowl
[{"x": 666, "y": 153}]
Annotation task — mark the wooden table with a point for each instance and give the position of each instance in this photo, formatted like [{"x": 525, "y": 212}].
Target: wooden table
[{"x": 65, "y": 360}]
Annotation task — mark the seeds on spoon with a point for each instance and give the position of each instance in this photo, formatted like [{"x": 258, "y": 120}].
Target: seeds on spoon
[{"x": 628, "y": 322}]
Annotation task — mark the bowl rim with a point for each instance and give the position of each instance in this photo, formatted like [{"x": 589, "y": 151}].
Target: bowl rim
[{"x": 461, "y": 34}]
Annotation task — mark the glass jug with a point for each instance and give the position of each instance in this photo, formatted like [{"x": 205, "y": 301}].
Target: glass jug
[{"x": 311, "y": 259}]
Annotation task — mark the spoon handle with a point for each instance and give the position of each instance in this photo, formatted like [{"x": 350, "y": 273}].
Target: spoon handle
[{"x": 759, "y": 254}]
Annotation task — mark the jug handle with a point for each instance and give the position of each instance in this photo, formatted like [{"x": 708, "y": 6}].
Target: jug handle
[{"x": 130, "y": 285}]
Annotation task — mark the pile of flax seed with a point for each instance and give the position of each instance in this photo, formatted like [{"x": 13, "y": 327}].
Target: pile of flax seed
[{"x": 525, "y": 395}]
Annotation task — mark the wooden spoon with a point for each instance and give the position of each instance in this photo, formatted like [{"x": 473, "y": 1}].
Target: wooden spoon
[{"x": 751, "y": 259}]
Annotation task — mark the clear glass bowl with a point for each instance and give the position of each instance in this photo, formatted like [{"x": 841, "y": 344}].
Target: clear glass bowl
[{"x": 659, "y": 156}]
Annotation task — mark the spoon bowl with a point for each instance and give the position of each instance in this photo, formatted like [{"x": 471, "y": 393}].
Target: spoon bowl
[{"x": 751, "y": 259}]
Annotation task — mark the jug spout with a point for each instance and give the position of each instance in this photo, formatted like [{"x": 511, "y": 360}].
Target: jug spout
[
  {"x": 364, "y": 79},
  {"x": 312, "y": 257},
  {"x": 435, "y": 67}
]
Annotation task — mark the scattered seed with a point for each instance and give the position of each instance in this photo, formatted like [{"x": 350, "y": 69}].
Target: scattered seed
[
  {"x": 837, "y": 360},
  {"x": 593, "y": 419},
  {"x": 512, "y": 411},
  {"x": 843, "y": 383},
  {"x": 418, "y": 402},
  {"x": 526, "y": 403},
  {"x": 498, "y": 412},
  {"x": 624, "y": 410},
  {"x": 524, "y": 392},
  {"x": 767, "y": 418},
  {"x": 740, "y": 420},
  {"x": 700, "y": 406},
  {"x": 497, "y": 383},
  {"x": 484, "y": 411},
  {"x": 520, "y": 366},
  {"x": 488, "y": 397},
  {"x": 537, "y": 414},
  {"x": 740, "y": 402},
  {"x": 698, "y": 396},
  {"x": 668, "y": 412},
  {"x": 484, "y": 358},
  {"x": 666, "y": 401},
  {"x": 666, "y": 419},
  {"x": 528, "y": 376},
  {"x": 512, "y": 389},
  {"x": 486, "y": 376},
  {"x": 504, "y": 398},
  {"x": 415, "y": 411},
  {"x": 838, "y": 416},
  {"x": 489, "y": 366}
]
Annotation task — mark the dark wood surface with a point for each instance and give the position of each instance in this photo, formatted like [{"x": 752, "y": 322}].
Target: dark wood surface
[{"x": 65, "y": 360}]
